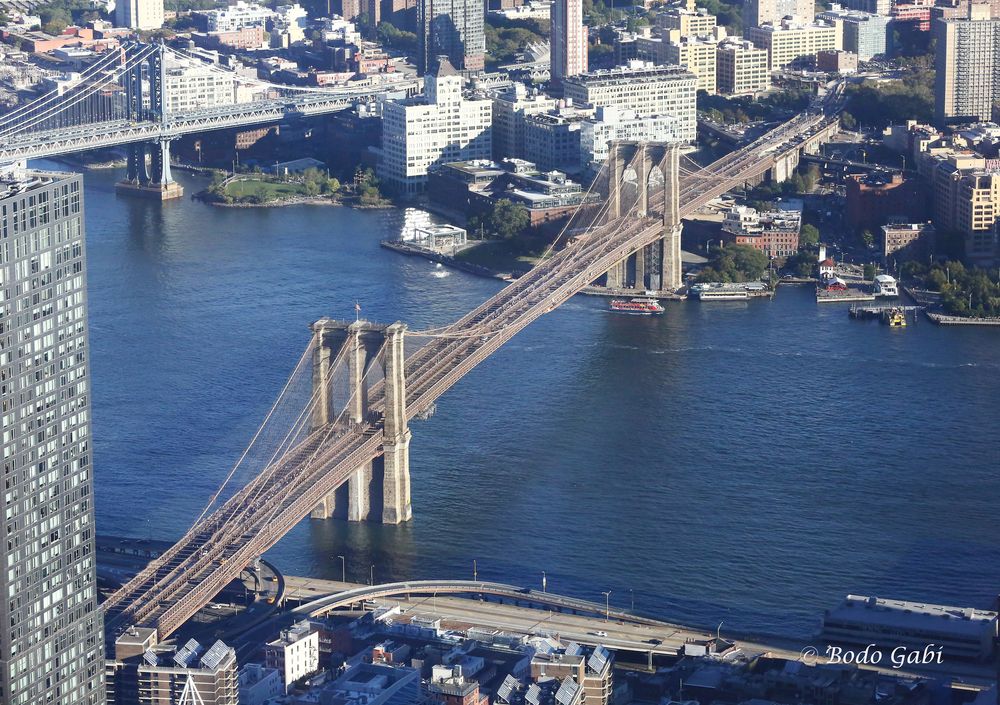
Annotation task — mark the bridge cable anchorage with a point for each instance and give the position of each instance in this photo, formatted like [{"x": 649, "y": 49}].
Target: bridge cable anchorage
[{"x": 79, "y": 93}]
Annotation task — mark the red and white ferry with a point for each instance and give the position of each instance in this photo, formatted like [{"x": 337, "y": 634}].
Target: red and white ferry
[{"x": 639, "y": 307}]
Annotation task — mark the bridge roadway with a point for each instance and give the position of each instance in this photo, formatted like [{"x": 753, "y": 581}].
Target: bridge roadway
[
  {"x": 458, "y": 607},
  {"x": 176, "y": 585},
  {"x": 48, "y": 143}
]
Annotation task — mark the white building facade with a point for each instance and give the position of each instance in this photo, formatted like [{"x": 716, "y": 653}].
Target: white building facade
[
  {"x": 615, "y": 124},
  {"x": 440, "y": 127},
  {"x": 644, "y": 89}
]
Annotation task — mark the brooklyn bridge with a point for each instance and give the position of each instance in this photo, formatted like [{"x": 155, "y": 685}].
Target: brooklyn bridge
[{"x": 336, "y": 440}]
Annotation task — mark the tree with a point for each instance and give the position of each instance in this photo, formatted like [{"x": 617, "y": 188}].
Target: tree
[
  {"x": 505, "y": 221},
  {"x": 847, "y": 121},
  {"x": 868, "y": 238},
  {"x": 801, "y": 264},
  {"x": 809, "y": 236},
  {"x": 735, "y": 263},
  {"x": 869, "y": 272}
]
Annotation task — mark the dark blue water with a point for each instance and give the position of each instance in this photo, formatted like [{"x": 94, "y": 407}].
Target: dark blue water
[{"x": 747, "y": 462}]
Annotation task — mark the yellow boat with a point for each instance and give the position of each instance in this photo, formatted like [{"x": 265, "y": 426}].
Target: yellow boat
[{"x": 895, "y": 317}]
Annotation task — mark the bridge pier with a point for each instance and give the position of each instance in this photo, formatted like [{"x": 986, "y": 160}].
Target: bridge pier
[{"x": 158, "y": 182}]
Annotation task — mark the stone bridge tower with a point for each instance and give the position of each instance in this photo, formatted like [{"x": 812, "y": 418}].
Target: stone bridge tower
[{"x": 644, "y": 181}]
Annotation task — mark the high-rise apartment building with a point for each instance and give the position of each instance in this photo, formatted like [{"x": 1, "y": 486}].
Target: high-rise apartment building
[
  {"x": 642, "y": 88},
  {"x": 690, "y": 22},
  {"x": 741, "y": 68},
  {"x": 510, "y": 107},
  {"x": 760, "y": 12},
  {"x": 789, "y": 41},
  {"x": 51, "y": 644},
  {"x": 865, "y": 34},
  {"x": 967, "y": 77},
  {"x": 439, "y": 127},
  {"x": 451, "y": 28},
  {"x": 568, "y": 43},
  {"x": 697, "y": 54},
  {"x": 139, "y": 14}
]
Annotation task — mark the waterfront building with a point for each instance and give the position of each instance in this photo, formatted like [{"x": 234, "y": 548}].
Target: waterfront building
[
  {"x": 761, "y": 12},
  {"x": 144, "y": 672},
  {"x": 960, "y": 632},
  {"x": 837, "y": 61},
  {"x": 967, "y": 63},
  {"x": 188, "y": 87},
  {"x": 643, "y": 88},
  {"x": 451, "y": 28},
  {"x": 741, "y": 68},
  {"x": 865, "y": 34},
  {"x": 879, "y": 196},
  {"x": 568, "y": 41},
  {"x": 553, "y": 139},
  {"x": 510, "y": 108},
  {"x": 690, "y": 23},
  {"x": 789, "y": 41},
  {"x": 237, "y": 16},
  {"x": 903, "y": 241},
  {"x": 375, "y": 684},
  {"x": 139, "y": 14},
  {"x": 966, "y": 189},
  {"x": 294, "y": 654},
  {"x": 593, "y": 673},
  {"x": 449, "y": 686},
  {"x": 611, "y": 123},
  {"x": 472, "y": 188},
  {"x": 258, "y": 684},
  {"x": 697, "y": 54},
  {"x": 439, "y": 127},
  {"x": 775, "y": 233},
  {"x": 52, "y": 646}
]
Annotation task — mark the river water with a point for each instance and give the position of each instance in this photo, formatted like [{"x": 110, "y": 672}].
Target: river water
[{"x": 751, "y": 462}]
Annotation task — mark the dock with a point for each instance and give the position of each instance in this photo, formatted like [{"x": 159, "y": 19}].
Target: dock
[
  {"x": 842, "y": 296},
  {"x": 868, "y": 312}
]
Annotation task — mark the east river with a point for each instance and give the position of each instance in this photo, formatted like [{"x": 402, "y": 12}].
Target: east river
[{"x": 747, "y": 462}]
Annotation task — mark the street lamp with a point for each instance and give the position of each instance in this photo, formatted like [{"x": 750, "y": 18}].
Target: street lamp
[
  {"x": 607, "y": 605},
  {"x": 371, "y": 575},
  {"x": 545, "y": 581},
  {"x": 631, "y": 597},
  {"x": 343, "y": 569},
  {"x": 475, "y": 571}
]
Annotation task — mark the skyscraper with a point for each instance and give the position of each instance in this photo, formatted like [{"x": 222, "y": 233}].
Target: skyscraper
[
  {"x": 568, "y": 43},
  {"x": 51, "y": 642},
  {"x": 139, "y": 14},
  {"x": 967, "y": 79},
  {"x": 452, "y": 28}
]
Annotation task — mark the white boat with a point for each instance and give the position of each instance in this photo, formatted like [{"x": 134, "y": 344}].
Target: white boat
[
  {"x": 885, "y": 285},
  {"x": 719, "y": 292}
]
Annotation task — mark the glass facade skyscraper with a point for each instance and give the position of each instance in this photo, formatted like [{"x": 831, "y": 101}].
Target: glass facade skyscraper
[{"x": 51, "y": 643}]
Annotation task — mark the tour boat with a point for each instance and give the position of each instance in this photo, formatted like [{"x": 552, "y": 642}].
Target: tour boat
[{"x": 640, "y": 306}]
